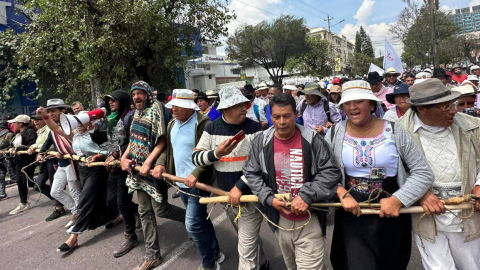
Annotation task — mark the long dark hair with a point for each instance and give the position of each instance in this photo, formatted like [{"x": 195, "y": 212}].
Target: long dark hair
[{"x": 331, "y": 99}]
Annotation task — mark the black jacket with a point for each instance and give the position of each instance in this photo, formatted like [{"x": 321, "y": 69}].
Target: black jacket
[
  {"x": 125, "y": 114},
  {"x": 320, "y": 184}
]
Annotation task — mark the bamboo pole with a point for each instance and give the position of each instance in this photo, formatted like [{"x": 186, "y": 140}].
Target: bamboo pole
[
  {"x": 244, "y": 198},
  {"x": 419, "y": 209}
]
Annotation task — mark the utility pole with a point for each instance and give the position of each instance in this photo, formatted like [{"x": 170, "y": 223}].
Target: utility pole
[{"x": 328, "y": 20}]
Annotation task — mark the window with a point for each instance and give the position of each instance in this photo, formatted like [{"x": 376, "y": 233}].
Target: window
[
  {"x": 236, "y": 71},
  {"x": 206, "y": 66}
]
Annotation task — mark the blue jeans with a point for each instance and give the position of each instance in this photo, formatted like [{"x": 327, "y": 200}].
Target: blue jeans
[{"x": 200, "y": 228}]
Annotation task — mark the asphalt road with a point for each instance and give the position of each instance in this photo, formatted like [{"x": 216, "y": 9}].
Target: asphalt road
[{"x": 28, "y": 242}]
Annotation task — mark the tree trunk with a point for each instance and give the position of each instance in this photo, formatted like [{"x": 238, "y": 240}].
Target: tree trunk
[
  {"x": 95, "y": 88},
  {"x": 436, "y": 61}
]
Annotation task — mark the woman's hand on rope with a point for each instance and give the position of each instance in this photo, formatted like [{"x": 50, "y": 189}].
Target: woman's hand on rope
[
  {"x": 126, "y": 164},
  {"x": 390, "y": 207},
  {"x": 234, "y": 196},
  {"x": 431, "y": 204},
  {"x": 476, "y": 191},
  {"x": 348, "y": 202},
  {"x": 108, "y": 161},
  {"x": 158, "y": 171},
  {"x": 190, "y": 181},
  {"x": 298, "y": 206},
  {"x": 96, "y": 158},
  {"x": 12, "y": 151},
  {"x": 281, "y": 206},
  {"x": 40, "y": 158},
  {"x": 30, "y": 151}
]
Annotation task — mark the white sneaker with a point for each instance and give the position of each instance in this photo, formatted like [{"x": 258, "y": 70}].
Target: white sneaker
[
  {"x": 69, "y": 224},
  {"x": 220, "y": 257},
  {"x": 69, "y": 230},
  {"x": 20, "y": 208}
]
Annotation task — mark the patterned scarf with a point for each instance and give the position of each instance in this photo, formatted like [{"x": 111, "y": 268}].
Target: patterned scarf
[
  {"x": 64, "y": 146},
  {"x": 147, "y": 127}
]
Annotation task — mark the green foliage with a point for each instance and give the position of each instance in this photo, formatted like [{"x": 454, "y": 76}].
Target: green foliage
[
  {"x": 358, "y": 43},
  {"x": 75, "y": 46},
  {"x": 316, "y": 61},
  {"x": 360, "y": 63},
  {"x": 363, "y": 43},
  {"x": 418, "y": 48},
  {"x": 269, "y": 45}
]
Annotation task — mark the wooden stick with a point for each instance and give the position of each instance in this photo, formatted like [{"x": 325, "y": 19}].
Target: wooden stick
[
  {"x": 198, "y": 185},
  {"x": 244, "y": 198},
  {"x": 418, "y": 209}
]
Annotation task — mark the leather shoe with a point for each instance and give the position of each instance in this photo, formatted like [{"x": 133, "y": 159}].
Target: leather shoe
[{"x": 149, "y": 264}]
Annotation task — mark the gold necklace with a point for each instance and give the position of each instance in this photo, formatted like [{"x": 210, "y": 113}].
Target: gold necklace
[{"x": 362, "y": 131}]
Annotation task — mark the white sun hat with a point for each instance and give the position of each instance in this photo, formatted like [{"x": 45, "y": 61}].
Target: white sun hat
[
  {"x": 230, "y": 96},
  {"x": 357, "y": 90},
  {"x": 289, "y": 87},
  {"x": 182, "y": 98},
  {"x": 474, "y": 67},
  {"x": 472, "y": 77}
]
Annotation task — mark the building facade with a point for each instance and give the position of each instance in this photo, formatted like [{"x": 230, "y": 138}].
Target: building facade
[
  {"x": 342, "y": 48},
  {"x": 468, "y": 19}
]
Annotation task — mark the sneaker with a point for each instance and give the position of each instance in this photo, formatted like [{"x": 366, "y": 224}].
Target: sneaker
[
  {"x": 148, "y": 264},
  {"x": 216, "y": 267},
  {"x": 220, "y": 258},
  {"x": 56, "y": 214},
  {"x": 20, "y": 208},
  {"x": 176, "y": 195}
]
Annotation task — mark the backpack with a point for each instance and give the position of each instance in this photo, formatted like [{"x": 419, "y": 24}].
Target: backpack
[{"x": 326, "y": 108}]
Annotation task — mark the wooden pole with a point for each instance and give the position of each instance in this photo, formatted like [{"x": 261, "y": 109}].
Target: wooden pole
[
  {"x": 244, "y": 198},
  {"x": 418, "y": 209}
]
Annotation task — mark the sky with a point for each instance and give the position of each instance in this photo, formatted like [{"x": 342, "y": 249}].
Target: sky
[{"x": 374, "y": 15}]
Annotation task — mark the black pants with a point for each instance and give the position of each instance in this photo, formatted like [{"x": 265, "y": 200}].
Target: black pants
[
  {"x": 92, "y": 209},
  {"x": 46, "y": 173},
  {"x": 117, "y": 196},
  {"x": 22, "y": 181}
]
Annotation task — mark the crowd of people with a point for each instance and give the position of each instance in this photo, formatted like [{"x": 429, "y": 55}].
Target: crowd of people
[{"x": 394, "y": 139}]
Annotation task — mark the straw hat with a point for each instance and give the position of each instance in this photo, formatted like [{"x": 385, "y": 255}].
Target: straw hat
[
  {"x": 55, "y": 103},
  {"x": 336, "y": 89},
  {"x": 357, "y": 90}
]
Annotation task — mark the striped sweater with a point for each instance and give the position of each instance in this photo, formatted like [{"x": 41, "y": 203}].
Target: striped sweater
[{"x": 228, "y": 169}]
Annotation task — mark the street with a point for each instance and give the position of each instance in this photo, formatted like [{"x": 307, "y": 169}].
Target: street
[{"x": 28, "y": 242}]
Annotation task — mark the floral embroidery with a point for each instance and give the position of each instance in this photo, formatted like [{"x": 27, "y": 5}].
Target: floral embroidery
[{"x": 364, "y": 149}]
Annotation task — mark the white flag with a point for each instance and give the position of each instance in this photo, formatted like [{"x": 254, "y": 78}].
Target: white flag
[
  {"x": 376, "y": 68},
  {"x": 391, "y": 58}
]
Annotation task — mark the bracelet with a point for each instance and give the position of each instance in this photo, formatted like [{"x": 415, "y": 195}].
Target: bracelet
[{"x": 46, "y": 117}]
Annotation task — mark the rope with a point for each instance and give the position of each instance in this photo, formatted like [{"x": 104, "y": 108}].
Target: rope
[
  {"x": 451, "y": 201},
  {"x": 31, "y": 180}
]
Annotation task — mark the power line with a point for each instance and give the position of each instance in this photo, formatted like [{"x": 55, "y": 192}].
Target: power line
[
  {"x": 312, "y": 7},
  {"x": 257, "y": 8}
]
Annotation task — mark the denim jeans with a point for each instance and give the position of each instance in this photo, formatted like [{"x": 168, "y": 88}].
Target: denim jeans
[{"x": 200, "y": 228}]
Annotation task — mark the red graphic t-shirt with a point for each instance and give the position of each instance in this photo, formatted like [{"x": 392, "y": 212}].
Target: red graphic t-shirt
[{"x": 289, "y": 168}]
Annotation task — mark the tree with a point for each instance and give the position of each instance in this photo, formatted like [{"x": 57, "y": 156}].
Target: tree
[
  {"x": 363, "y": 43},
  {"x": 360, "y": 63},
  {"x": 432, "y": 7},
  {"x": 269, "y": 44},
  {"x": 358, "y": 43},
  {"x": 405, "y": 21},
  {"x": 316, "y": 61},
  {"x": 79, "y": 47},
  {"x": 419, "y": 50}
]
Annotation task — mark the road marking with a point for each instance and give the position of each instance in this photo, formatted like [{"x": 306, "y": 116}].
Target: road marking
[{"x": 170, "y": 258}]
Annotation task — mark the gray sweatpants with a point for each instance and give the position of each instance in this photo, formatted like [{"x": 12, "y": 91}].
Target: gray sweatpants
[
  {"x": 302, "y": 249},
  {"x": 250, "y": 248}
]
